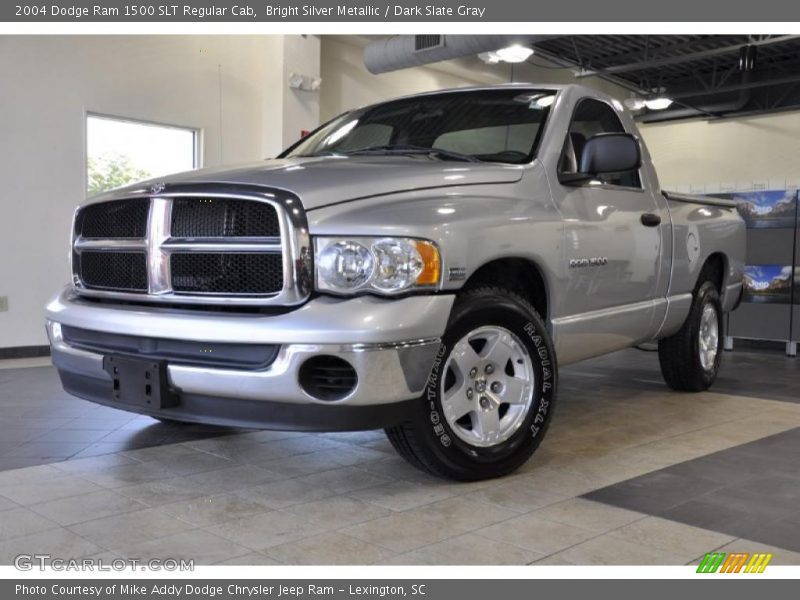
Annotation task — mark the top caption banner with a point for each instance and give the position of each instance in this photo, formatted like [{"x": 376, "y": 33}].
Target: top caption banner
[{"x": 444, "y": 11}]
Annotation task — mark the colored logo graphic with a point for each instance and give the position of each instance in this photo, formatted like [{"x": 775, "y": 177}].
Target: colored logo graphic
[{"x": 735, "y": 562}]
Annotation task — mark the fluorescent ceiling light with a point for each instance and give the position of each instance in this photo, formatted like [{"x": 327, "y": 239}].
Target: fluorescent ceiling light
[
  {"x": 658, "y": 103},
  {"x": 511, "y": 54},
  {"x": 634, "y": 103},
  {"x": 514, "y": 54}
]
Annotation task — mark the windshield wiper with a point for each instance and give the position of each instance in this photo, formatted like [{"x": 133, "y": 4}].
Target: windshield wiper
[
  {"x": 318, "y": 154},
  {"x": 410, "y": 149}
]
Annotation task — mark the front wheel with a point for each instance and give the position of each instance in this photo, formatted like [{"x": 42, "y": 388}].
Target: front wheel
[
  {"x": 491, "y": 391},
  {"x": 690, "y": 359}
]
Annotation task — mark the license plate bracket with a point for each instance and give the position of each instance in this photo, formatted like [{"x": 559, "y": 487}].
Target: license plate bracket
[{"x": 140, "y": 382}]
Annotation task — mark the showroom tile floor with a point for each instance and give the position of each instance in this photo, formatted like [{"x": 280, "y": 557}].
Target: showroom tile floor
[{"x": 606, "y": 487}]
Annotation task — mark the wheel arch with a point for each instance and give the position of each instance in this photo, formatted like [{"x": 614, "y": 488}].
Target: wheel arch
[
  {"x": 714, "y": 269},
  {"x": 520, "y": 275}
]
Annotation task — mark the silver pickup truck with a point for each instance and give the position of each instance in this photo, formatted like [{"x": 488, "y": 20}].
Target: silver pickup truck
[{"x": 423, "y": 265}]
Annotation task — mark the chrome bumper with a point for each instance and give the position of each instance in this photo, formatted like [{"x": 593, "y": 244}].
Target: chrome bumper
[{"x": 390, "y": 343}]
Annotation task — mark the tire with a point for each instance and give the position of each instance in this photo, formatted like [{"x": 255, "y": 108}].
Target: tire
[
  {"x": 502, "y": 336},
  {"x": 689, "y": 361}
]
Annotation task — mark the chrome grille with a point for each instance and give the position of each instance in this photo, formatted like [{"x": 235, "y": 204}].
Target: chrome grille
[{"x": 193, "y": 248}]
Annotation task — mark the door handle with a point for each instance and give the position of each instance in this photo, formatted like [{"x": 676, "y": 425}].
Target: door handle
[{"x": 651, "y": 220}]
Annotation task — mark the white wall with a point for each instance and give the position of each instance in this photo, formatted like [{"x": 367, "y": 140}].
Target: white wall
[
  {"x": 731, "y": 152},
  {"x": 48, "y": 85},
  {"x": 301, "y": 55}
]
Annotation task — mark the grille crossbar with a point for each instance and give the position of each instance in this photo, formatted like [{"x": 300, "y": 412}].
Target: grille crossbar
[{"x": 231, "y": 250}]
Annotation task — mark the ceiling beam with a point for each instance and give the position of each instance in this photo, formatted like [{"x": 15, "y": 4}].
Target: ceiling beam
[
  {"x": 736, "y": 87},
  {"x": 683, "y": 58},
  {"x": 568, "y": 64}
]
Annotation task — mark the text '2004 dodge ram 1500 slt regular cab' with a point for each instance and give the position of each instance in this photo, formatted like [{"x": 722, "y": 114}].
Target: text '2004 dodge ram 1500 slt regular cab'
[{"x": 421, "y": 265}]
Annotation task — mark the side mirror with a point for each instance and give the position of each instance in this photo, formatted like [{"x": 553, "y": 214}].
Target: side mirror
[
  {"x": 606, "y": 153},
  {"x": 610, "y": 153}
]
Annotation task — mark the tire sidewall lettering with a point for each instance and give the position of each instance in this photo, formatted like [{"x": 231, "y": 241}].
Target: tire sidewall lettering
[{"x": 545, "y": 373}]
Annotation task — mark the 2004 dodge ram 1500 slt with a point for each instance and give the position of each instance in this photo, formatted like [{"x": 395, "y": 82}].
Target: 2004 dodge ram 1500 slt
[{"x": 422, "y": 265}]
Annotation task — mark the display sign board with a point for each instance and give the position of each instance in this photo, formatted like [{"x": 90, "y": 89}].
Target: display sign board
[{"x": 770, "y": 281}]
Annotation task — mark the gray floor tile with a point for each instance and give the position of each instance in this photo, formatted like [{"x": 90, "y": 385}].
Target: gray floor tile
[
  {"x": 716, "y": 517},
  {"x": 467, "y": 549},
  {"x": 212, "y": 510},
  {"x": 779, "y": 532},
  {"x": 163, "y": 491},
  {"x": 87, "y": 507},
  {"x": 233, "y": 478},
  {"x": 200, "y": 546},
  {"x": 6, "y": 504},
  {"x": 265, "y": 530},
  {"x": 58, "y": 543},
  {"x": 122, "y": 530},
  {"x": 330, "y": 548},
  {"x": 19, "y": 522},
  {"x": 36, "y": 492},
  {"x": 341, "y": 510},
  {"x": 536, "y": 534},
  {"x": 655, "y": 492}
]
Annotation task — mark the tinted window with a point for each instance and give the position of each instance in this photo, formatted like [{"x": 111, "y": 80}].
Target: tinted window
[
  {"x": 590, "y": 118},
  {"x": 501, "y": 125}
]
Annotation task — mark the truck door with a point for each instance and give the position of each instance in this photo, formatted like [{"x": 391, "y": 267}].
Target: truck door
[{"x": 612, "y": 247}]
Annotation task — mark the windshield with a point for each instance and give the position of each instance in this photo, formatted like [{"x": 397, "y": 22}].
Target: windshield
[{"x": 500, "y": 125}]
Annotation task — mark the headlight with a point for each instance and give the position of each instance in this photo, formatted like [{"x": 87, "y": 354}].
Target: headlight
[{"x": 381, "y": 265}]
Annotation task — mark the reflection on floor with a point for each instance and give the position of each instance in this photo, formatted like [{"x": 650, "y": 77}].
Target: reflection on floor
[{"x": 258, "y": 497}]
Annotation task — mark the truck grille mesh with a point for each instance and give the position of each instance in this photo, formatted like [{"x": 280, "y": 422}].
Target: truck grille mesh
[
  {"x": 123, "y": 219},
  {"x": 214, "y": 217},
  {"x": 114, "y": 270},
  {"x": 189, "y": 248},
  {"x": 228, "y": 273}
]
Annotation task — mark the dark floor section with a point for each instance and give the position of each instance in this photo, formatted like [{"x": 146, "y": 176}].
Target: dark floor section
[
  {"x": 40, "y": 423},
  {"x": 750, "y": 491},
  {"x": 765, "y": 373}
]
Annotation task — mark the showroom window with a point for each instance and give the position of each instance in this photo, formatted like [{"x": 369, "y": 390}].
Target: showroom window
[{"x": 122, "y": 151}]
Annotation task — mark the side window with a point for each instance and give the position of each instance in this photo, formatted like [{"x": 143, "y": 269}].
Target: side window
[{"x": 590, "y": 118}]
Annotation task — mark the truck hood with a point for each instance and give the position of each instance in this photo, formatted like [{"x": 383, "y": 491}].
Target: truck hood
[{"x": 329, "y": 180}]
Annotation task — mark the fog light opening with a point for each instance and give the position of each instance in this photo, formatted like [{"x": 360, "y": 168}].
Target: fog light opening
[{"x": 327, "y": 378}]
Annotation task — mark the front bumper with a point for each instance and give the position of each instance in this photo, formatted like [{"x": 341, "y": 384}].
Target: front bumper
[{"x": 391, "y": 345}]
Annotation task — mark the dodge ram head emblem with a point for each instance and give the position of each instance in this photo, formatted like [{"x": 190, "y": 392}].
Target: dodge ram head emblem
[{"x": 157, "y": 188}]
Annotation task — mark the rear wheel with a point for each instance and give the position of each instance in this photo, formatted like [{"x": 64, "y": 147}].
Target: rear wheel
[
  {"x": 690, "y": 359},
  {"x": 490, "y": 394}
]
